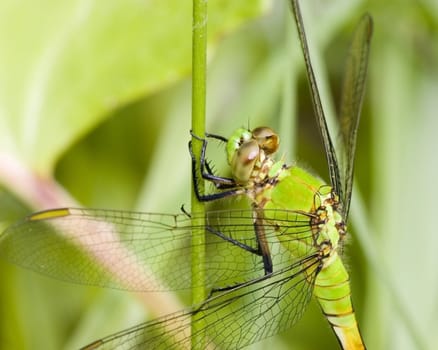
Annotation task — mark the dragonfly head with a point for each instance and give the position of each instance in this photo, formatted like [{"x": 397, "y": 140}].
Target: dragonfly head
[{"x": 245, "y": 148}]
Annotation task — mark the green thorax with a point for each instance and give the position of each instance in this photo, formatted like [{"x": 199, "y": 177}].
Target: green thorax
[{"x": 297, "y": 190}]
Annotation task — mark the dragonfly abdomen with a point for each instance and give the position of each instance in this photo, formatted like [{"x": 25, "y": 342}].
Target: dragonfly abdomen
[{"x": 332, "y": 290}]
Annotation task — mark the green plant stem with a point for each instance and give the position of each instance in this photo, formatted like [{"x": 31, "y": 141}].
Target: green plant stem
[{"x": 199, "y": 49}]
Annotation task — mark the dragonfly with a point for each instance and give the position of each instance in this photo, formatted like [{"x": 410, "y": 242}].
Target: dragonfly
[{"x": 264, "y": 263}]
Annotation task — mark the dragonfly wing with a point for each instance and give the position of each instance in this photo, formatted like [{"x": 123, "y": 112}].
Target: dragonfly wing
[
  {"x": 235, "y": 318},
  {"x": 141, "y": 251},
  {"x": 351, "y": 103},
  {"x": 317, "y": 104},
  {"x": 108, "y": 248}
]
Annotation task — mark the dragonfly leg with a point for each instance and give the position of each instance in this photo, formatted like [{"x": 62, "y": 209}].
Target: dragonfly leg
[
  {"x": 249, "y": 249},
  {"x": 206, "y": 171},
  {"x": 237, "y": 285},
  {"x": 262, "y": 249},
  {"x": 214, "y": 136},
  {"x": 217, "y": 180},
  {"x": 207, "y": 174},
  {"x": 233, "y": 241}
]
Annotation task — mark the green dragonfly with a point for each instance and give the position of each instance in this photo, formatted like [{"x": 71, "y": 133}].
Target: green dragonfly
[{"x": 263, "y": 264}]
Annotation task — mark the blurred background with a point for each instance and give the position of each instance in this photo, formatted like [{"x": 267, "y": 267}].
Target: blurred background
[{"x": 95, "y": 106}]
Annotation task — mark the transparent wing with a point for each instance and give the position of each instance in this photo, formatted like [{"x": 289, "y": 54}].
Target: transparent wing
[
  {"x": 351, "y": 103},
  {"x": 234, "y": 319},
  {"x": 335, "y": 178},
  {"x": 150, "y": 252}
]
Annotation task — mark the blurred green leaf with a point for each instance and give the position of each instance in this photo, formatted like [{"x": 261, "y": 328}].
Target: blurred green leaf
[{"x": 66, "y": 65}]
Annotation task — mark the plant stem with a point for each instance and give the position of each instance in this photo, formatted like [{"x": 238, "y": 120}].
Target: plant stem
[{"x": 199, "y": 49}]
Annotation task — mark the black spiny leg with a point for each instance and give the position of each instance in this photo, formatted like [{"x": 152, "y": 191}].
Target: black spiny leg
[
  {"x": 220, "y": 183},
  {"x": 262, "y": 250}
]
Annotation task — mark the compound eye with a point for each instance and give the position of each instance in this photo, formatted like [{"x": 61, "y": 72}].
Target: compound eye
[
  {"x": 267, "y": 139},
  {"x": 244, "y": 158}
]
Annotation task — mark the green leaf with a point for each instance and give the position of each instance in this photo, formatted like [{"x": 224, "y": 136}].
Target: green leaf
[{"x": 66, "y": 65}]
